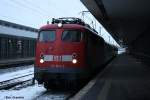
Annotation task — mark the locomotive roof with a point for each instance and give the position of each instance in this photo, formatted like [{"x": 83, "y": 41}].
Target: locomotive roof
[
  {"x": 66, "y": 26},
  {"x": 68, "y": 23}
]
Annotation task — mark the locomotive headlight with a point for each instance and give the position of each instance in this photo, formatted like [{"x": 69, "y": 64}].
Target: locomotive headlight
[
  {"x": 60, "y": 25},
  {"x": 41, "y": 60},
  {"x": 74, "y": 61}
]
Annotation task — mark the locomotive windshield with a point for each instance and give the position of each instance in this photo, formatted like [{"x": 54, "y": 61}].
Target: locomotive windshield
[
  {"x": 47, "y": 36},
  {"x": 71, "y": 36}
]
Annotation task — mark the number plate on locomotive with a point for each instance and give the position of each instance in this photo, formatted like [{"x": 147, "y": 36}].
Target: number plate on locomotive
[{"x": 48, "y": 57}]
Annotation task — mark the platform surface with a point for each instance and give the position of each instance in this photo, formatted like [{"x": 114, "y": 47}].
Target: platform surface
[
  {"x": 16, "y": 61},
  {"x": 125, "y": 78}
]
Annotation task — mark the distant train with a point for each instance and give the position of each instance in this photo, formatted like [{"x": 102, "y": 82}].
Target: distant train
[
  {"x": 68, "y": 50},
  {"x": 17, "y": 44}
]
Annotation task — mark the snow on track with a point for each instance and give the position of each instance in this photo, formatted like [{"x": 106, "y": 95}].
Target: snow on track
[
  {"x": 34, "y": 92},
  {"x": 12, "y": 75}
]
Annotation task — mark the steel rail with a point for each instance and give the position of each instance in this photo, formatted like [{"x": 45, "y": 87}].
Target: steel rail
[{"x": 15, "y": 81}]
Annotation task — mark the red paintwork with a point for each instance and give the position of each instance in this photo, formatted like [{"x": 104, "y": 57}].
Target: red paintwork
[{"x": 58, "y": 47}]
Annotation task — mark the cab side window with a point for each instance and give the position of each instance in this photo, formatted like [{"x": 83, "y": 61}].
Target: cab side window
[
  {"x": 46, "y": 36},
  {"x": 71, "y": 36}
]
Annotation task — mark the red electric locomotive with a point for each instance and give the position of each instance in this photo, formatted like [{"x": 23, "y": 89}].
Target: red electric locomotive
[{"x": 68, "y": 50}]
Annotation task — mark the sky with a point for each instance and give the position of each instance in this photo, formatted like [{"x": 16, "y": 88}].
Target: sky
[{"x": 35, "y": 13}]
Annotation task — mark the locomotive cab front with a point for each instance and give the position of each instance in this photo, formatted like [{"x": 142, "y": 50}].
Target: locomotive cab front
[{"x": 60, "y": 54}]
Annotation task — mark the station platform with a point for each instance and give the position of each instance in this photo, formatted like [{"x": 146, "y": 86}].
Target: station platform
[
  {"x": 125, "y": 78},
  {"x": 9, "y": 62}
]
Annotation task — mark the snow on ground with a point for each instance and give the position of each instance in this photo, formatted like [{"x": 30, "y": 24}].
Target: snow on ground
[
  {"x": 34, "y": 92},
  {"x": 10, "y": 75},
  {"x": 14, "y": 69},
  {"x": 29, "y": 93}
]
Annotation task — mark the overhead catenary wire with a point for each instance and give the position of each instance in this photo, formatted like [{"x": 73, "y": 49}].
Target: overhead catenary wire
[
  {"x": 35, "y": 6},
  {"x": 4, "y": 17},
  {"x": 23, "y": 15},
  {"x": 27, "y": 7},
  {"x": 17, "y": 6}
]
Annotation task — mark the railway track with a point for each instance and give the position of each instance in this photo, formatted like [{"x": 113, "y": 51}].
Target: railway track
[{"x": 15, "y": 81}]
